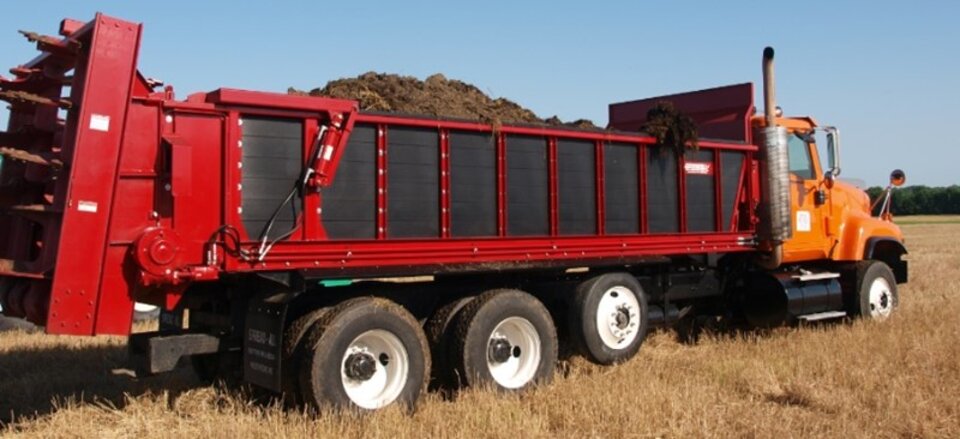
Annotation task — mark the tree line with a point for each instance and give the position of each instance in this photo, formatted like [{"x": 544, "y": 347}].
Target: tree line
[{"x": 920, "y": 200}]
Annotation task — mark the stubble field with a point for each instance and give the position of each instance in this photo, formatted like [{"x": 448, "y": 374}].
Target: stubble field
[{"x": 899, "y": 378}]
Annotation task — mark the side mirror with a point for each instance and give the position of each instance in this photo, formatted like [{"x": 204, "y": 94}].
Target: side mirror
[
  {"x": 833, "y": 150},
  {"x": 829, "y": 179},
  {"x": 897, "y": 178}
]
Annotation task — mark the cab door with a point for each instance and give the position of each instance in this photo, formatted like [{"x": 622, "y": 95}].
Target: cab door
[{"x": 808, "y": 202}]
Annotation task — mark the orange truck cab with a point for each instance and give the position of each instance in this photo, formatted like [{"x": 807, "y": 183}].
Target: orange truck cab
[
  {"x": 832, "y": 219},
  {"x": 820, "y": 253}
]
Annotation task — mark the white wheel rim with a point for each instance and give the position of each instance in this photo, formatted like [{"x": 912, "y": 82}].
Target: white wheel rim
[
  {"x": 618, "y": 317},
  {"x": 881, "y": 298},
  {"x": 143, "y": 307},
  {"x": 388, "y": 380},
  {"x": 524, "y": 358}
]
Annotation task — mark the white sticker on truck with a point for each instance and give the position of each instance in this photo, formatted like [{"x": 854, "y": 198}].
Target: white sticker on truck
[
  {"x": 327, "y": 152},
  {"x": 99, "y": 122},
  {"x": 698, "y": 168},
  {"x": 87, "y": 206},
  {"x": 803, "y": 221}
]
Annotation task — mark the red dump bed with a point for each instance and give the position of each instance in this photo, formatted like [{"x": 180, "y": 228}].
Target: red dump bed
[{"x": 136, "y": 195}]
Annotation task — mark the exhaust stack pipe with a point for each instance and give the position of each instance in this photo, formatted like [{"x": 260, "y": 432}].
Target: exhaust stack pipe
[
  {"x": 775, "y": 222},
  {"x": 769, "y": 91}
]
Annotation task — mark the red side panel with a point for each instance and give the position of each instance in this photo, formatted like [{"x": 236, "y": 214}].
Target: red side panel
[
  {"x": 196, "y": 176},
  {"x": 720, "y": 113}
]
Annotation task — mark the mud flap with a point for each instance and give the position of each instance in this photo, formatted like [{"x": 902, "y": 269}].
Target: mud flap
[
  {"x": 262, "y": 341},
  {"x": 900, "y": 271}
]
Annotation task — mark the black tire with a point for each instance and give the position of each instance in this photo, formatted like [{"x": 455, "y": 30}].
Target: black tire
[
  {"x": 870, "y": 274},
  {"x": 439, "y": 329},
  {"x": 472, "y": 341},
  {"x": 15, "y": 324},
  {"x": 630, "y": 321},
  {"x": 292, "y": 346},
  {"x": 222, "y": 367},
  {"x": 206, "y": 367},
  {"x": 324, "y": 353},
  {"x": 691, "y": 328}
]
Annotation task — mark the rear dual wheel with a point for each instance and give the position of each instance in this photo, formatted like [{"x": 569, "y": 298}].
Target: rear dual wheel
[
  {"x": 365, "y": 353},
  {"x": 439, "y": 328},
  {"x": 143, "y": 312},
  {"x": 504, "y": 339},
  {"x": 221, "y": 367}
]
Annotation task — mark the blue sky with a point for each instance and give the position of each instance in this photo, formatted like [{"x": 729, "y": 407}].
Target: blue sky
[{"x": 886, "y": 73}]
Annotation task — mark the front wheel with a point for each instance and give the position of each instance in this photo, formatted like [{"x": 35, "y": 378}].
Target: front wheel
[
  {"x": 876, "y": 291},
  {"x": 365, "y": 353}
]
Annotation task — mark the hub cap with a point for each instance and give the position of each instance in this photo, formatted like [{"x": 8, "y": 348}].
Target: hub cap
[
  {"x": 513, "y": 352},
  {"x": 618, "y": 317},
  {"x": 881, "y": 298},
  {"x": 360, "y": 366},
  {"x": 500, "y": 350},
  {"x": 374, "y": 369}
]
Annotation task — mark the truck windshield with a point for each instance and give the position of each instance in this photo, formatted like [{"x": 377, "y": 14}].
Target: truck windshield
[{"x": 799, "y": 156}]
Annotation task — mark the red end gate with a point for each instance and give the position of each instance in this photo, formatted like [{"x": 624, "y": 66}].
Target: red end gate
[{"x": 62, "y": 195}]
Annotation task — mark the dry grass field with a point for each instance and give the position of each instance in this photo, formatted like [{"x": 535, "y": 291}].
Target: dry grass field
[{"x": 899, "y": 378}]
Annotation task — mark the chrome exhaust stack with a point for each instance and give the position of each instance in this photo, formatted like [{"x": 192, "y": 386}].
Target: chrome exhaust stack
[{"x": 775, "y": 225}]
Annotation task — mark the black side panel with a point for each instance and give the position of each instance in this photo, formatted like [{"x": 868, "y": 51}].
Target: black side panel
[
  {"x": 272, "y": 163},
  {"x": 576, "y": 175},
  {"x": 731, "y": 164},
  {"x": 701, "y": 195},
  {"x": 350, "y": 204},
  {"x": 662, "y": 194},
  {"x": 413, "y": 183},
  {"x": 621, "y": 189},
  {"x": 473, "y": 184},
  {"x": 527, "y": 186}
]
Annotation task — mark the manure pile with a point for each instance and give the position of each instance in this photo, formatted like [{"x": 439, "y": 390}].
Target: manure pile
[{"x": 436, "y": 96}]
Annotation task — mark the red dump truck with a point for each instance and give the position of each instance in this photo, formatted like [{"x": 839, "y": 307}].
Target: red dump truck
[{"x": 348, "y": 258}]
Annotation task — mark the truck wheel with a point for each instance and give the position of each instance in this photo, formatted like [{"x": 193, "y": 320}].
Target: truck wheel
[
  {"x": 143, "y": 312},
  {"x": 608, "y": 319},
  {"x": 439, "y": 329},
  {"x": 504, "y": 338},
  {"x": 15, "y": 324},
  {"x": 292, "y": 346},
  {"x": 206, "y": 367},
  {"x": 222, "y": 367},
  {"x": 365, "y": 353},
  {"x": 876, "y": 291}
]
